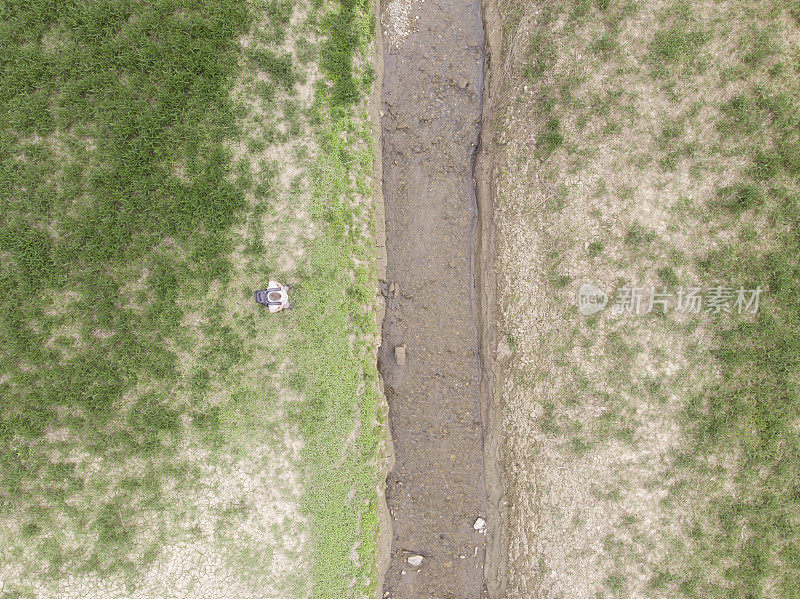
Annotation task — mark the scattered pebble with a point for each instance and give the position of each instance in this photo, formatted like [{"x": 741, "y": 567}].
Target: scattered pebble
[
  {"x": 414, "y": 560},
  {"x": 479, "y": 524},
  {"x": 400, "y": 355}
]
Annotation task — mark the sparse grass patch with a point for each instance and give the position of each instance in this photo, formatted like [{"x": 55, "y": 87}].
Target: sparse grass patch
[
  {"x": 677, "y": 43},
  {"x": 681, "y": 169},
  {"x": 543, "y": 56},
  {"x": 596, "y": 248}
]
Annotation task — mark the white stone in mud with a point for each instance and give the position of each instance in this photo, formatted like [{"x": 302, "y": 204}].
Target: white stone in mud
[{"x": 414, "y": 560}]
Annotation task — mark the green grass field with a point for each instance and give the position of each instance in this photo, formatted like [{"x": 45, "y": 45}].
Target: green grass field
[{"x": 146, "y": 192}]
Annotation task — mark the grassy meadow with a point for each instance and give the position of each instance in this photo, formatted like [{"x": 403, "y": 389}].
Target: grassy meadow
[
  {"x": 651, "y": 144},
  {"x": 158, "y": 430}
]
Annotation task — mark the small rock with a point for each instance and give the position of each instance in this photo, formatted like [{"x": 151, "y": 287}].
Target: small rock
[
  {"x": 463, "y": 83},
  {"x": 400, "y": 355},
  {"x": 479, "y": 524},
  {"x": 414, "y": 560}
]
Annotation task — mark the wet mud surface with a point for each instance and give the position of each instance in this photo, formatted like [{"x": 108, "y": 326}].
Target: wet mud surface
[{"x": 431, "y": 103}]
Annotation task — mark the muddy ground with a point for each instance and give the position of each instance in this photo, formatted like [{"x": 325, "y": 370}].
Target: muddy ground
[{"x": 431, "y": 102}]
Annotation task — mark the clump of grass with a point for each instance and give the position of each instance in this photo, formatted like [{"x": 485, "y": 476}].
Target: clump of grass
[
  {"x": 275, "y": 27},
  {"x": 740, "y": 197},
  {"x": 346, "y": 29},
  {"x": 668, "y": 276},
  {"x": 551, "y": 138},
  {"x": 758, "y": 47},
  {"x": 676, "y": 43},
  {"x": 606, "y": 46},
  {"x": 596, "y": 248},
  {"x": 638, "y": 236},
  {"x": 616, "y": 584},
  {"x": 278, "y": 66}
]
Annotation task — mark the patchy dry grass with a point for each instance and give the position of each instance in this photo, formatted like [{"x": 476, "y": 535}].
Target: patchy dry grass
[{"x": 650, "y": 144}]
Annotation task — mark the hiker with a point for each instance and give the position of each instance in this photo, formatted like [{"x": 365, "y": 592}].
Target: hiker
[{"x": 275, "y": 297}]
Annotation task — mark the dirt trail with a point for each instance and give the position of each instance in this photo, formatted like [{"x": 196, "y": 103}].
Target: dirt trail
[{"x": 433, "y": 80}]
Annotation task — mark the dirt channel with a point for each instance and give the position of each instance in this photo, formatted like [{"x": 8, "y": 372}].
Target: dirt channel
[{"x": 430, "y": 118}]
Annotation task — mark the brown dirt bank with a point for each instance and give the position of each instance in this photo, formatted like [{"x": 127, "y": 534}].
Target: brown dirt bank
[{"x": 486, "y": 282}]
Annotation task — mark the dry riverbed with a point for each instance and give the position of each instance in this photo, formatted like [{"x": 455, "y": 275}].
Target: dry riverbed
[{"x": 433, "y": 79}]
